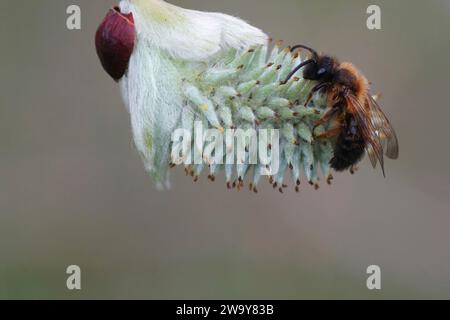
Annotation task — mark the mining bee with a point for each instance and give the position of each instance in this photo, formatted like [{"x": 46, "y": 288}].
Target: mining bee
[{"x": 357, "y": 121}]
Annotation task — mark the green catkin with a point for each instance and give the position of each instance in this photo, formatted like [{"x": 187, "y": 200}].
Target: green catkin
[
  {"x": 286, "y": 113},
  {"x": 229, "y": 173},
  {"x": 244, "y": 59},
  {"x": 264, "y": 113},
  {"x": 246, "y": 114},
  {"x": 289, "y": 149},
  {"x": 246, "y": 87},
  {"x": 247, "y": 90},
  {"x": 287, "y": 66},
  {"x": 262, "y": 92},
  {"x": 258, "y": 59},
  {"x": 226, "y": 92},
  {"x": 304, "y": 132},
  {"x": 256, "y": 177},
  {"x": 275, "y": 52},
  {"x": 217, "y": 77},
  {"x": 277, "y": 103},
  {"x": 225, "y": 115},
  {"x": 230, "y": 56},
  {"x": 308, "y": 160},
  {"x": 203, "y": 105},
  {"x": 295, "y": 88},
  {"x": 279, "y": 179},
  {"x": 296, "y": 170},
  {"x": 270, "y": 74},
  {"x": 288, "y": 133}
]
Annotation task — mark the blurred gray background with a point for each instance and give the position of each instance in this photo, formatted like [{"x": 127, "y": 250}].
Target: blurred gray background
[{"x": 73, "y": 189}]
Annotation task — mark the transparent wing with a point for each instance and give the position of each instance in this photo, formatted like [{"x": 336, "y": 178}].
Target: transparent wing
[
  {"x": 374, "y": 145},
  {"x": 384, "y": 129}
]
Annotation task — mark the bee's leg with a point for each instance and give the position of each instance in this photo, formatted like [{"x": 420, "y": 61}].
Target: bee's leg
[
  {"x": 353, "y": 169},
  {"x": 328, "y": 134},
  {"x": 314, "y": 90},
  {"x": 327, "y": 116}
]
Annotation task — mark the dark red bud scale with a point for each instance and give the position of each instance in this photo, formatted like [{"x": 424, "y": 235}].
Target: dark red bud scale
[{"x": 114, "y": 41}]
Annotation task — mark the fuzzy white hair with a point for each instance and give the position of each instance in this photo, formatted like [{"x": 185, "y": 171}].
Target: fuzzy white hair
[
  {"x": 172, "y": 43},
  {"x": 189, "y": 34}
]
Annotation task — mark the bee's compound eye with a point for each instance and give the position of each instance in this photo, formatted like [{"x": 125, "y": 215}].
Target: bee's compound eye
[
  {"x": 310, "y": 72},
  {"x": 321, "y": 71}
]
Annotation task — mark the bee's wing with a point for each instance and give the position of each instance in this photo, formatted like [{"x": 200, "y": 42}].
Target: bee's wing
[
  {"x": 374, "y": 146},
  {"x": 384, "y": 129},
  {"x": 372, "y": 156}
]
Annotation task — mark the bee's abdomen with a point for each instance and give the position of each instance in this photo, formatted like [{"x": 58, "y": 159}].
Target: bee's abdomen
[{"x": 350, "y": 146}]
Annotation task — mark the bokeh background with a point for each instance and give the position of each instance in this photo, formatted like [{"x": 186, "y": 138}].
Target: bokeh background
[{"x": 73, "y": 189}]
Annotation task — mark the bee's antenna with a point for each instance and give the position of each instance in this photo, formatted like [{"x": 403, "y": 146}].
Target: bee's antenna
[
  {"x": 301, "y": 65},
  {"x": 314, "y": 52}
]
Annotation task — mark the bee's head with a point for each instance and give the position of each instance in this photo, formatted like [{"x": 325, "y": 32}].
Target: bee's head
[{"x": 321, "y": 69}]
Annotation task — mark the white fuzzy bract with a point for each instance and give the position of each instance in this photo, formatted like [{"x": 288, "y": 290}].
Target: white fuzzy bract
[{"x": 172, "y": 43}]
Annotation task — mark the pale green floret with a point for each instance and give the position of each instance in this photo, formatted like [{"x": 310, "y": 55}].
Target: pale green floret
[
  {"x": 247, "y": 90},
  {"x": 264, "y": 113},
  {"x": 304, "y": 132},
  {"x": 246, "y": 87}
]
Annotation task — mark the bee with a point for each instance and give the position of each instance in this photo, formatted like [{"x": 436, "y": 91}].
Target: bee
[{"x": 358, "y": 123}]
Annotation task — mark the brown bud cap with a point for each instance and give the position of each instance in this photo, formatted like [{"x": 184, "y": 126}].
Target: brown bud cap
[{"x": 114, "y": 41}]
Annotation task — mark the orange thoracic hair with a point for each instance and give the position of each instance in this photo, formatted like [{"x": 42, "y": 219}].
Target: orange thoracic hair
[{"x": 362, "y": 85}]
